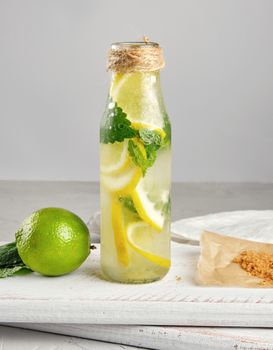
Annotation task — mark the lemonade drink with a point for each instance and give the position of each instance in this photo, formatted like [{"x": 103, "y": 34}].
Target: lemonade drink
[{"x": 135, "y": 165}]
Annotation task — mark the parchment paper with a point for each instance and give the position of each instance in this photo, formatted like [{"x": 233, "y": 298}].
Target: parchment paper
[{"x": 215, "y": 266}]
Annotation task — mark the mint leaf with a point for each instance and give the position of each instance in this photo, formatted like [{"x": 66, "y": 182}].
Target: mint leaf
[
  {"x": 151, "y": 154},
  {"x": 9, "y": 256},
  {"x": 128, "y": 203},
  {"x": 10, "y": 261},
  {"x": 137, "y": 156},
  {"x": 116, "y": 126},
  {"x": 15, "y": 270},
  {"x": 150, "y": 137},
  {"x": 152, "y": 141}
]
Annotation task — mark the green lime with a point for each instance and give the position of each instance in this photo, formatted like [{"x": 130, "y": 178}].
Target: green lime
[{"x": 53, "y": 241}]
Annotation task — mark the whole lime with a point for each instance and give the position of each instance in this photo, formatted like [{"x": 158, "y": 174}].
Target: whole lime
[{"x": 53, "y": 241}]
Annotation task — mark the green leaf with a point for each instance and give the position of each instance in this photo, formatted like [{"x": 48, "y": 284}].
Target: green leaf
[
  {"x": 137, "y": 156},
  {"x": 151, "y": 151},
  {"x": 116, "y": 126},
  {"x": 11, "y": 271},
  {"x": 128, "y": 203},
  {"x": 9, "y": 256},
  {"x": 150, "y": 137},
  {"x": 152, "y": 141},
  {"x": 10, "y": 261}
]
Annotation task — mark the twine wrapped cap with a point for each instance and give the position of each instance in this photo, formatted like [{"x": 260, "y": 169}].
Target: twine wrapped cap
[{"x": 138, "y": 56}]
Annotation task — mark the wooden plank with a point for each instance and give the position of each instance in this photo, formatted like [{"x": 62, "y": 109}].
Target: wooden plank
[
  {"x": 15, "y": 339},
  {"x": 84, "y": 297},
  {"x": 166, "y": 338}
]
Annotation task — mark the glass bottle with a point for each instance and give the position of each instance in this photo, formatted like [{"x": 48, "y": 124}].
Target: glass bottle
[{"x": 135, "y": 176}]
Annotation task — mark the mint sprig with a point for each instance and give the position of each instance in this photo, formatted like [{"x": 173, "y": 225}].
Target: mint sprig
[{"x": 116, "y": 126}]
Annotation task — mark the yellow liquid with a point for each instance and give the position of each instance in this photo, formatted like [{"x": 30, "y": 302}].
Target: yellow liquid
[{"x": 135, "y": 215}]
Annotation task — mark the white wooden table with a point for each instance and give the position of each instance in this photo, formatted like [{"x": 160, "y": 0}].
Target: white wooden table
[{"x": 19, "y": 199}]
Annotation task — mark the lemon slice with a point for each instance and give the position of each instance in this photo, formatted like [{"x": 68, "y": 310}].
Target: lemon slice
[
  {"x": 124, "y": 182},
  {"x": 126, "y": 88},
  {"x": 143, "y": 239},
  {"x": 114, "y": 157},
  {"x": 136, "y": 94},
  {"x": 146, "y": 208},
  {"x": 119, "y": 232},
  {"x": 119, "y": 80}
]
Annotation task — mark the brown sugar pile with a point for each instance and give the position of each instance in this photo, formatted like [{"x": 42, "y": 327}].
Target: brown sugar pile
[{"x": 258, "y": 264}]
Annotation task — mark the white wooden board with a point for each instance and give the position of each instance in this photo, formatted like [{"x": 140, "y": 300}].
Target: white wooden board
[
  {"x": 21, "y": 339},
  {"x": 84, "y": 297},
  {"x": 166, "y": 338}
]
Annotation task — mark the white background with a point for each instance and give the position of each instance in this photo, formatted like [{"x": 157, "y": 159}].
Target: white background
[{"x": 218, "y": 84}]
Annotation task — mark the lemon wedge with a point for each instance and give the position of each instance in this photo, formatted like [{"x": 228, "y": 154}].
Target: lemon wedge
[
  {"x": 148, "y": 243},
  {"x": 114, "y": 157},
  {"x": 119, "y": 232},
  {"x": 124, "y": 182},
  {"x": 146, "y": 208}
]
